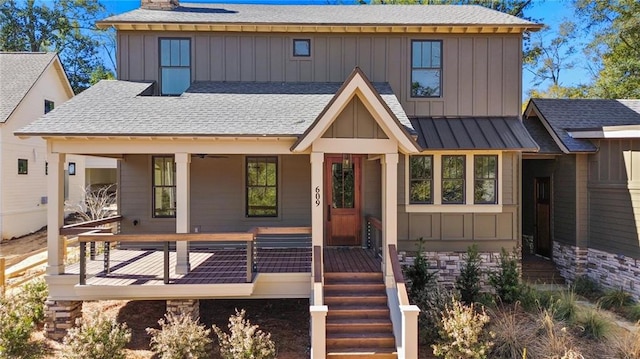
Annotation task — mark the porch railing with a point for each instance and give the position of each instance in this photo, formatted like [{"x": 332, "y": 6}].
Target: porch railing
[
  {"x": 374, "y": 234},
  {"x": 404, "y": 316},
  {"x": 95, "y": 226}
]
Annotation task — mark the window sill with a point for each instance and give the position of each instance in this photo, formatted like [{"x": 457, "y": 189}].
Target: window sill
[{"x": 453, "y": 208}]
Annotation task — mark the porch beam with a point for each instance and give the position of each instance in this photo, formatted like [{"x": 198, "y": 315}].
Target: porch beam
[
  {"x": 183, "y": 220},
  {"x": 55, "y": 212},
  {"x": 389, "y": 212}
]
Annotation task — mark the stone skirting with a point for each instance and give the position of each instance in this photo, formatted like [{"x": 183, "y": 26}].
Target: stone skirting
[
  {"x": 447, "y": 265},
  {"x": 614, "y": 271},
  {"x": 60, "y": 316},
  {"x": 570, "y": 260},
  {"x": 189, "y": 307}
]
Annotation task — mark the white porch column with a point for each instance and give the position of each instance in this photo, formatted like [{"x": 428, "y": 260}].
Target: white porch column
[
  {"x": 55, "y": 213},
  {"x": 183, "y": 223},
  {"x": 389, "y": 211},
  {"x": 317, "y": 199}
]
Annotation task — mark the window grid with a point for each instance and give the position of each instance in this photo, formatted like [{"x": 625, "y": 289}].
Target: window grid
[
  {"x": 175, "y": 65},
  {"x": 421, "y": 179},
  {"x": 164, "y": 187},
  {"x": 485, "y": 179},
  {"x": 426, "y": 68},
  {"x": 453, "y": 179},
  {"x": 261, "y": 186}
]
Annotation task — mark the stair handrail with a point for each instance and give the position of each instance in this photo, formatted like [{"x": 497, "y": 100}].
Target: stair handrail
[
  {"x": 404, "y": 315},
  {"x": 401, "y": 288},
  {"x": 317, "y": 309}
]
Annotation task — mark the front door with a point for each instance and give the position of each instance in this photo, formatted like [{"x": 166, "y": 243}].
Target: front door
[
  {"x": 543, "y": 216},
  {"x": 342, "y": 188}
]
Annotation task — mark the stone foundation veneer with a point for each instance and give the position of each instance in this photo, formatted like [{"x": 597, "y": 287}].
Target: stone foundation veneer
[
  {"x": 60, "y": 316},
  {"x": 189, "y": 307},
  {"x": 611, "y": 271},
  {"x": 448, "y": 264}
]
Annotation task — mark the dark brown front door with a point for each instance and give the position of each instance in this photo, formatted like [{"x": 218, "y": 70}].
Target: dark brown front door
[
  {"x": 342, "y": 188},
  {"x": 543, "y": 216}
]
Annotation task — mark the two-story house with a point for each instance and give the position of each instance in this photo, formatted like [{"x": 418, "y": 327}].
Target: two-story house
[{"x": 293, "y": 151}]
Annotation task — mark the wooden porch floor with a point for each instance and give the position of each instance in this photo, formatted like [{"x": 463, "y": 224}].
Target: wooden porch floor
[{"x": 347, "y": 259}]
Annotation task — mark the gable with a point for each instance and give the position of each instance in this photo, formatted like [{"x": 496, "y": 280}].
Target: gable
[{"x": 355, "y": 121}]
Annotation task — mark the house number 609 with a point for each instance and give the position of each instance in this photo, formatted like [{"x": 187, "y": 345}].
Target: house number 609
[{"x": 317, "y": 196}]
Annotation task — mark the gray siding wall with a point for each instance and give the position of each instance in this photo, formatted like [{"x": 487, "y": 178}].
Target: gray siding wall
[
  {"x": 614, "y": 197},
  {"x": 355, "y": 121},
  {"x": 457, "y": 231},
  {"x": 217, "y": 195},
  {"x": 564, "y": 200},
  {"x": 481, "y": 74}
]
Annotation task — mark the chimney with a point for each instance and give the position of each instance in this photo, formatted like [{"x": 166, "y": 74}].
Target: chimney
[{"x": 159, "y": 4}]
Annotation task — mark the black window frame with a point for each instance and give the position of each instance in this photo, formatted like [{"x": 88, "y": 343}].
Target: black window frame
[
  {"x": 23, "y": 169},
  {"x": 293, "y": 46},
  {"x": 161, "y": 66},
  {"x": 248, "y": 207},
  {"x": 462, "y": 178},
  {"x": 414, "y": 68},
  {"x": 48, "y": 106},
  {"x": 414, "y": 179},
  {"x": 154, "y": 186},
  {"x": 476, "y": 179}
]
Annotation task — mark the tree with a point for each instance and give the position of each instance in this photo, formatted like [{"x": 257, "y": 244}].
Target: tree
[
  {"x": 64, "y": 26},
  {"x": 617, "y": 44}
]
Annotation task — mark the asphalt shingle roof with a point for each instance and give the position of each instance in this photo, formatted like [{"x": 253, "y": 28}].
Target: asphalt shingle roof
[
  {"x": 113, "y": 108},
  {"x": 18, "y": 73},
  {"x": 323, "y": 15},
  {"x": 565, "y": 114},
  {"x": 473, "y": 133},
  {"x": 541, "y": 136}
]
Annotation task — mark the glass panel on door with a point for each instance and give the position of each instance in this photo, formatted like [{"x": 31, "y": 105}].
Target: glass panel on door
[{"x": 342, "y": 183}]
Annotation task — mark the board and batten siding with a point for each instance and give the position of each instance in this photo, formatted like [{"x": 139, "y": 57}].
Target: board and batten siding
[
  {"x": 457, "y": 231},
  {"x": 564, "y": 200},
  {"x": 217, "y": 195},
  {"x": 614, "y": 197},
  {"x": 481, "y": 74}
]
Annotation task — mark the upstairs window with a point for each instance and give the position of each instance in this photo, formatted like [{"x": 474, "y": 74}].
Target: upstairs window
[
  {"x": 175, "y": 66},
  {"x": 453, "y": 179},
  {"x": 164, "y": 186},
  {"x": 262, "y": 186},
  {"x": 426, "y": 68},
  {"x": 48, "y": 106},
  {"x": 421, "y": 179},
  {"x": 485, "y": 183},
  {"x": 301, "y": 47}
]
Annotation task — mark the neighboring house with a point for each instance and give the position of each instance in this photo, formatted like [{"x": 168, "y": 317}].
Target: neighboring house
[
  {"x": 581, "y": 190},
  {"x": 318, "y": 135},
  {"x": 32, "y": 84}
]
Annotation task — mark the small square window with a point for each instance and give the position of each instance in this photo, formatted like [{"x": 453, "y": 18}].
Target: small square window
[
  {"x": 23, "y": 166},
  {"x": 302, "y": 47},
  {"x": 48, "y": 106},
  {"x": 72, "y": 168}
]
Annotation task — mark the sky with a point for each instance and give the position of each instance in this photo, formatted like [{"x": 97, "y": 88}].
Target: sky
[{"x": 548, "y": 12}]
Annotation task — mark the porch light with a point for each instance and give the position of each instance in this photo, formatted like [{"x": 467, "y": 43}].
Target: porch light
[{"x": 346, "y": 161}]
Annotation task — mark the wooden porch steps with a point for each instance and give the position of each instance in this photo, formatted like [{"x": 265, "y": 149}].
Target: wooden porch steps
[
  {"x": 358, "y": 323},
  {"x": 539, "y": 270}
]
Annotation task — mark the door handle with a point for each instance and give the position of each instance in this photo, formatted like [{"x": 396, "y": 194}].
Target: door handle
[{"x": 329, "y": 212}]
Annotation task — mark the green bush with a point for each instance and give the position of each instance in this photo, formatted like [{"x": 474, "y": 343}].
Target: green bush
[
  {"x": 632, "y": 312},
  {"x": 16, "y": 326},
  {"x": 586, "y": 287},
  {"x": 418, "y": 274},
  {"x": 593, "y": 324},
  {"x": 564, "y": 306},
  {"x": 506, "y": 281},
  {"x": 463, "y": 333},
  {"x": 98, "y": 337},
  {"x": 179, "y": 337},
  {"x": 615, "y": 299},
  {"x": 32, "y": 296},
  {"x": 468, "y": 282},
  {"x": 532, "y": 300},
  {"x": 245, "y": 341}
]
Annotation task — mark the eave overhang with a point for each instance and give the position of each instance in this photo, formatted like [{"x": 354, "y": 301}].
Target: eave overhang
[{"x": 320, "y": 28}]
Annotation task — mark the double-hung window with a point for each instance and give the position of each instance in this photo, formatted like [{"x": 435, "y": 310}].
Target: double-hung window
[
  {"x": 485, "y": 182},
  {"x": 421, "y": 179},
  {"x": 262, "y": 186},
  {"x": 175, "y": 65},
  {"x": 453, "y": 179},
  {"x": 426, "y": 68},
  {"x": 164, "y": 186}
]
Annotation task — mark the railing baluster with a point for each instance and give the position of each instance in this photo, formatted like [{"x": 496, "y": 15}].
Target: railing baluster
[
  {"x": 166, "y": 262},
  {"x": 92, "y": 251},
  {"x": 107, "y": 253},
  {"x": 83, "y": 263}
]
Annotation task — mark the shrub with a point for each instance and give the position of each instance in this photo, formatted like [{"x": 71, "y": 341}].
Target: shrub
[
  {"x": 98, "y": 337},
  {"x": 593, "y": 324},
  {"x": 15, "y": 329},
  {"x": 468, "y": 282},
  {"x": 418, "y": 273},
  {"x": 564, "y": 306},
  {"x": 532, "y": 300},
  {"x": 632, "y": 312},
  {"x": 626, "y": 346},
  {"x": 615, "y": 299},
  {"x": 245, "y": 341},
  {"x": 554, "y": 340},
  {"x": 506, "y": 281},
  {"x": 32, "y": 296},
  {"x": 432, "y": 302},
  {"x": 463, "y": 333},
  {"x": 586, "y": 287},
  {"x": 513, "y": 332},
  {"x": 179, "y": 337}
]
